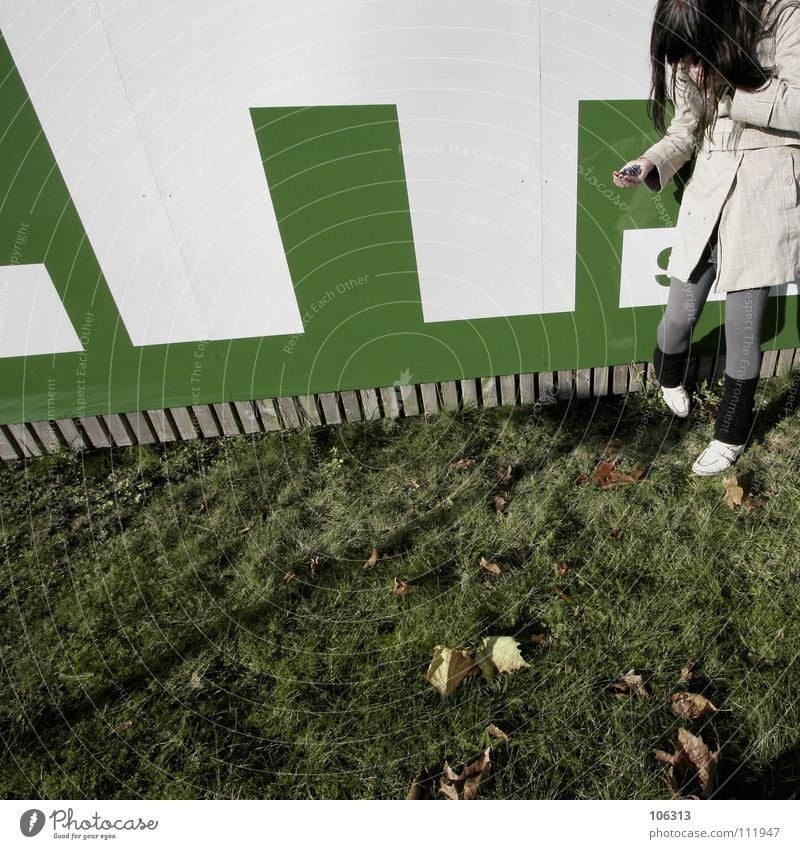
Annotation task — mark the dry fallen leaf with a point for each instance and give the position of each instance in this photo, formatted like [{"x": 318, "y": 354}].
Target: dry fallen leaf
[
  {"x": 606, "y": 475},
  {"x": 315, "y": 566},
  {"x": 687, "y": 673},
  {"x": 752, "y": 503},
  {"x": 501, "y": 653},
  {"x": 562, "y": 595},
  {"x": 402, "y": 587},
  {"x": 493, "y": 568},
  {"x": 449, "y": 668},
  {"x": 733, "y": 493},
  {"x": 691, "y": 705},
  {"x": 123, "y": 726},
  {"x": 561, "y": 568},
  {"x": 465, "y": 463},
  {"x": 506, "y": 474},
  {"x": 466, "y": 784},
  {"x": 195, "y": 682},
  {"x": 494, "y": 731},
  {"x": 288, "y": 578},
  {"x": 692, "y": 758},
  {"x": 374, "y": 558},
  {"x": 630, "y": 682},
  {"x": 581, "y": 477},
  {"x": 415, "y": 484},
  {"x": 500, "y": 502},
  {"x": 422, "y": 787},
  {"x": 710, "y": 407}
]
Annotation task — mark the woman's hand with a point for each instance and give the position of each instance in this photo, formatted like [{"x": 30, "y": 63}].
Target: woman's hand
[
  {"x": 696, "y": 74},
  {"x": 628, "y": 181},
  {"x": 699, "y": 77}
]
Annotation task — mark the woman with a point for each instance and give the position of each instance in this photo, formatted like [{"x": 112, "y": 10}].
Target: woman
[{"x": 736, "y": 88}]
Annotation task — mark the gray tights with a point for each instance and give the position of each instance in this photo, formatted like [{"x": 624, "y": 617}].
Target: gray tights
[{"x": 744, "y": 316}]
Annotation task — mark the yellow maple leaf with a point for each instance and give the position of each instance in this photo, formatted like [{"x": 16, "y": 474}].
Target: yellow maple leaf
[
  {"x": 500, "y": 652},
  {"x": 449, "y": 668}
]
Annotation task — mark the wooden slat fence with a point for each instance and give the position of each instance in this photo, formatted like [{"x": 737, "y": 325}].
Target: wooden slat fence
[{"x": 32, "y": 439}]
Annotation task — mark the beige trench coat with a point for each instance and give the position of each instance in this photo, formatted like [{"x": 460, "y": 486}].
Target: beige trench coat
[{"x": 747, "y": 178}]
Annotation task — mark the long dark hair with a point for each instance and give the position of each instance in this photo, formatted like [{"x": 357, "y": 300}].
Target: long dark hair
[{"x": 719, "y": 35}]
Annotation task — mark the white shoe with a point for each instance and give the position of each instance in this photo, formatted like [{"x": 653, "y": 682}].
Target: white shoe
[
  {"x": 677, "y": 399},
  {"x": 717, "y": 457}
]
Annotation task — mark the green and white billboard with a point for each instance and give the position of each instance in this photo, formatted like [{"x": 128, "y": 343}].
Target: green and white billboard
[{"x": 219, "y": 200}]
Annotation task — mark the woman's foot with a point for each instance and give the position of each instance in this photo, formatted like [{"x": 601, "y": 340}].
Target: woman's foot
[
  {"x": 717, "y": 457},
  {"x": 677, "y": 399}
]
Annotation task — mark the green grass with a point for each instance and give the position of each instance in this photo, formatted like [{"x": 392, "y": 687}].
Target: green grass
[{"x": 127, "y": 571}]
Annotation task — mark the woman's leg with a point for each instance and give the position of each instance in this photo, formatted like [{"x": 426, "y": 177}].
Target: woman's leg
[
  {"x": 744, "y": 319},
  {"x": 684, "y": 306}
]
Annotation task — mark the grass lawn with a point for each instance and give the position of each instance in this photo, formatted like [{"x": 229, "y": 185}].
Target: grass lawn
[{"x": 151, "y": 648}]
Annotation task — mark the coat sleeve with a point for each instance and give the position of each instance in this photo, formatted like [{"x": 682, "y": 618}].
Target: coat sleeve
[
  {"x": 777, "y": 106},
  {"x": 677, "y": 146}
]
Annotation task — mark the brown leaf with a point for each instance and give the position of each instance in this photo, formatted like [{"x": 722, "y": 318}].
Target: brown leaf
[
  {"x": 494, "y": 731},
  {"x": 464, "y": 463},
  {"x": 506, "y": 474},
  {"x": 606, "y": 475},
  {"x": 447, "y": 788},
  {"x": 691, "y": 705},
  {"x": 687, "y": 673},
  {"x": 733, "y": 493},
  {"x": 562, "y": 595},
  {"x": 500, "y": 503},
  {"x": 402, "y": 588},
  {"x": 288, "y": 578},
  {"x": 581, "y": 477},
  {"x": 561, "y": 568},
  {"x": 493, "y": 568},
  {"x": 195, "y": 682},
  {"x": 123, "y": 726},
  {"x": 466, "y": 784},
  {"x": 711, "y": 408},
  {"x": 315, "y": 566},
  {"x": 752, "y": 503},
  {"x": 707, "y": 762},
  {"x": 692, "y": 759},
  {"x": 422, "y": 787},
  {"x": 663, "y": 757},
  {"x": 630, "y": 682},
  {"x": 449, "y": 668},
  {"x": 374, "y": 558},
  {"x": 415, "y": 484}
]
